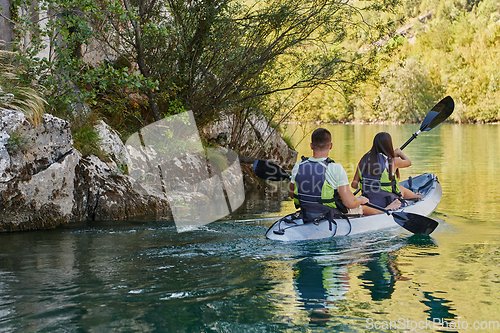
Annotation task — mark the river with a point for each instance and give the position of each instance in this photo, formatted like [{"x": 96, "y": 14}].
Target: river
[{"x": 143, "y": 276}]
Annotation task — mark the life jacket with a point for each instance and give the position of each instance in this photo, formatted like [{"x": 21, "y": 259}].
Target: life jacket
[
  {"x": 380, "y": 190},
  {"x": 313, "y": 194}
]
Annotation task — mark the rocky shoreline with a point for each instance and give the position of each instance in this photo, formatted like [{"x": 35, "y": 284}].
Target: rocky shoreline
[{"x": 45, "y": 182}]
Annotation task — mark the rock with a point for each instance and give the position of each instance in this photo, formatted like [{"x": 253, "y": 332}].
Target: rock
[
  {"x": 102, "y": 195},
  {"x": 426, "y": 17},
  {"x": 256, "y": 139},
  {"x": 113, "y": 145},
  {"x": 26, "y": 150},
  {"x": 44, "y": 182},
  {"x": 167, "y": 158},
  {"x": 43, "y": 200},
  {"x": 36, "y": 172}
]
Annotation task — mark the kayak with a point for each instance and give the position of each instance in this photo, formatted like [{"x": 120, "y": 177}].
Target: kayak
[{"x": 293, "y": 228}]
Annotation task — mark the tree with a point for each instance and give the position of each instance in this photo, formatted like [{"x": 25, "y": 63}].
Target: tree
[
  {"x": 407, "y": 92},
  {"x": 214, "y": 56}
]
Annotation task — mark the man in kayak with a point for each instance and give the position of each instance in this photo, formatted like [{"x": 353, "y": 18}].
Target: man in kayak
[
  {"x": 378, "y": 175},
  {"x": 319, "y": 185}
]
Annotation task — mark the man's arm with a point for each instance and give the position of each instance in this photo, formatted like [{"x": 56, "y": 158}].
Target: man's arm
[
  {"x": 292, "y": 179},
  {"x": 349, "y": 200}
]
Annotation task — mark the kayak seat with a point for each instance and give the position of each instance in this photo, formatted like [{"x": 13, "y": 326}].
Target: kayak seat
[{"x": 355, "y": 215}]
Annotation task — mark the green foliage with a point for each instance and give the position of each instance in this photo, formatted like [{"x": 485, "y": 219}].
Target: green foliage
[
  {"x": 121, "y": 169},
  {"x": 394, "y": 102},
  {"x": 87, "y": 141},
  {"x": 454, "y": 53},
  {"x": 175, "y": 107},
  {"x": 460, "y": 49},
  {"x": 67, "y": 79},
  {"x": 232, "y": 57},
  {"x": 288, "y": 141}
]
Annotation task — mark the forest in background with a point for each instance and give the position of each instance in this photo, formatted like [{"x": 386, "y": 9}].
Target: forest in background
[{"x": 440, "y": 48}]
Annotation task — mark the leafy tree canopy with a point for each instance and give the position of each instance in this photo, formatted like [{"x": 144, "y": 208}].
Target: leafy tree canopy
[{"x": 135, "y": 61}]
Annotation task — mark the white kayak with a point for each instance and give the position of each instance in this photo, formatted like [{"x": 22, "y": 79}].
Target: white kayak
[{"x": 292, "y": 228}]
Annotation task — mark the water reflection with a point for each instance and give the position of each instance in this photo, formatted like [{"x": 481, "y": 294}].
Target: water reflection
[
  {"x": 228, "y": 277},
  {"x": 327, "y": 274},
  {"x": 319, "y": 286},
  {"x": 380, "y": 276},
  {"x": 439, "y": 307}
]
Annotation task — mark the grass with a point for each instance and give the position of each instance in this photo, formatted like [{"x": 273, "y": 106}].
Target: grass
[{"x": 16, "y": 94}]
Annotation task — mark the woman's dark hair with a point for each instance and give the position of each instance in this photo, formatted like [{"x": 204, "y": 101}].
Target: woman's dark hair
[
  {"x": 382, "y": 143},
  {"x": 321, "y": 138}
]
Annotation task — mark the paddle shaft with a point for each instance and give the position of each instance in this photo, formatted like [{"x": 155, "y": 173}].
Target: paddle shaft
[
  {"x": 414, "y": 136},
  {"x": 417, "y": 224},
  {"x": 388, "y": 212},
  {"x": 439, "y": 113}
]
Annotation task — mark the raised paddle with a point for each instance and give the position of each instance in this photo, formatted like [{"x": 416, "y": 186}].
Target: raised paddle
[
  {"x": 417, "y": 224},
  {"x": 439, "y": 113}
]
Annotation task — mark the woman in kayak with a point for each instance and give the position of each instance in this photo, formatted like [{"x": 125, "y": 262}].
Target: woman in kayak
[{"x": 378, "y": 175}]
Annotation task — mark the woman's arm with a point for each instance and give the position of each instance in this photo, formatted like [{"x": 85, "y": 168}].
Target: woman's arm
[
  {"x": 355, "y": 180},
  {"x": 401, "y": 160},
  {"x": 291, "y": 190}
]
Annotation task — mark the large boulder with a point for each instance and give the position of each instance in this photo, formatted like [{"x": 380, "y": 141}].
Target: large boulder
[
  {"x": 26, "y": 150},
  {"x": 44, "y": 182},
  {"x": 102, "y": 194},
  {"x": 36, "y": 172}
]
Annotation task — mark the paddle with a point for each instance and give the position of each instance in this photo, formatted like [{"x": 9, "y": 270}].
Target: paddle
[
  {"x": 414, "y": 223},
  {"x": 439, "y": 113},
  {"x": 269, "y": 171},
  {"x": 418, "y": 224}
]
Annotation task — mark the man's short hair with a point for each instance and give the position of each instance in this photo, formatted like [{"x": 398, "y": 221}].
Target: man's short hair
[{"x": 321, "y": 138}]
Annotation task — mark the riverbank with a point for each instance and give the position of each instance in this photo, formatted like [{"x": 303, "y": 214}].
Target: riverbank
[{"x": 45, "y": 182}]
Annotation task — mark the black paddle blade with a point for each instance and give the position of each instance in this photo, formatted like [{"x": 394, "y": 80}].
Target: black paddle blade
[
  {"x": 439, "y": 113},
  {"x": 418, "y": 224},
  {"x": 269, "y": 171}
]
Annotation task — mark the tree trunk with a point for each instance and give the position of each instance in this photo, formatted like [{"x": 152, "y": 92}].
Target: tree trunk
[
  {"x": 6, "y": 26},
  {"x": 140, "y": 59}
]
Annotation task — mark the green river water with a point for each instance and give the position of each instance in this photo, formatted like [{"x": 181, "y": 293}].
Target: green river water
[{"x": 143, "y": 276}]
